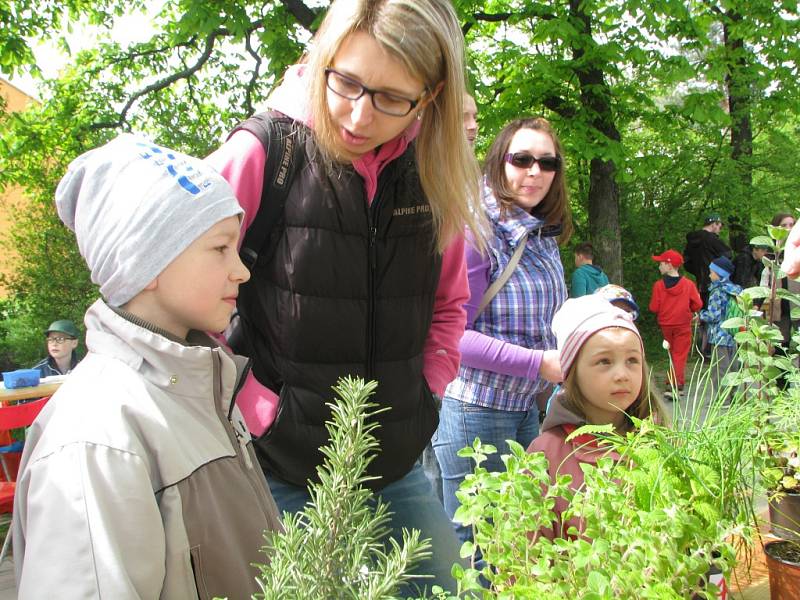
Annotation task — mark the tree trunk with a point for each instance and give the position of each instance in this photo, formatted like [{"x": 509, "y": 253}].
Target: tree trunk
[
  {"x": 604, "y": 227},
  {"x": 737, "y": 82},
  {"x": 595, "y": 95}
]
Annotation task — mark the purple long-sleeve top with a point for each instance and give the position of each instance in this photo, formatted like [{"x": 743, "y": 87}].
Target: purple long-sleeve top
[
  {"x": 482, "y": 351},
  {"x": 502, "y": 348}
]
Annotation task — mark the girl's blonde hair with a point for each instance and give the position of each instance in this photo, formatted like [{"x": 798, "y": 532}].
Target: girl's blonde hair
[
  {"x": 554, "y": 207},
  {"x": 424, "y": 35},
  {"x": 647, "y": 403}
]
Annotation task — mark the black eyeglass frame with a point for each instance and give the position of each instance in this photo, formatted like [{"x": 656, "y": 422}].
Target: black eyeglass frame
[
  {"x": 365, "y": 90},
  {"x": 525, "y": 160},
  {"x": 59, "y": 339}
]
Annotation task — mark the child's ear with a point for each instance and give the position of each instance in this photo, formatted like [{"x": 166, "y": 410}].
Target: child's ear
[{"x": 152, "y": 285}]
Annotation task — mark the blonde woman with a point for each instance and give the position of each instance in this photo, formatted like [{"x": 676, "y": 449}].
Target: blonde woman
[{"x": 365, "y": 272}]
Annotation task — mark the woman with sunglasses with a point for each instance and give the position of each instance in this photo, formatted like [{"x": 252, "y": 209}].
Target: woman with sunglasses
[
  {"x": 365, "y": 275},
  {"x": 509, "y": 360}
]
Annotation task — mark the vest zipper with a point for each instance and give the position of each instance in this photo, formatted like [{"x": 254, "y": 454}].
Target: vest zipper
[{"x": 372, "y": 319}]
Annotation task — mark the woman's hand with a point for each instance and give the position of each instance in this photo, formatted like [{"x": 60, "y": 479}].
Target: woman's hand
[{"x": 550, "y": 367}]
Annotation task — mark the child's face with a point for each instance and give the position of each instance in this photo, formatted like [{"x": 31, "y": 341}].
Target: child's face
[
  {"x": 664, "y": 267},
  {"x": 60, "y": 345},
  {"x": 713, "y": 275},
  {"x": 198, "y": 289},
  {"x": 609, "y": 374}
]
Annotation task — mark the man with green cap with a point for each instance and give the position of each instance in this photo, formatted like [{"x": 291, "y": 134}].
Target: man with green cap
[
  {"x": 702, "y": 247},
  {"x": 62, "y": 341}
]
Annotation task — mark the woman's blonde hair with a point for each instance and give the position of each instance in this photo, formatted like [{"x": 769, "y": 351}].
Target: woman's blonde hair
[
  {"x": 424, "y": 35},
  {"x": 554, "y": 207},
  {"x": 647, "y": 403}
]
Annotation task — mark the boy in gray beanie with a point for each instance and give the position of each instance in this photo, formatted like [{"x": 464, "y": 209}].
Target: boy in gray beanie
[{"x": 138, "y": 479}]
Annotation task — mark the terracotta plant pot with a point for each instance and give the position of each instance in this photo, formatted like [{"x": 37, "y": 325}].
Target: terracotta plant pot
[
  {"x": 784, "y": 515},
  {"x": 783, "y": 563}
]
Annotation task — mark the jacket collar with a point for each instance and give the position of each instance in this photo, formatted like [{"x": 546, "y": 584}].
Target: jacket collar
[
  {"x": 516, "y": 223},
  {"x": 562, "y": 416},
  {"x": 193, "y": 367}
]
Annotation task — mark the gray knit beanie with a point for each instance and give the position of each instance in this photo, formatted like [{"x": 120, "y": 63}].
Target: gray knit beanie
[{"x": 135, "y": 206}]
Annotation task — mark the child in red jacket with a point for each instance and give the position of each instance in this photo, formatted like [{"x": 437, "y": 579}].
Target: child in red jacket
[{"x": 675, "y": 301}]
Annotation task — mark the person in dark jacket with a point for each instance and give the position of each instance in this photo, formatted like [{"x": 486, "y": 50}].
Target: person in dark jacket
[
  {"x": 748, "y": 266},
  {"x": 365, "y": 273},
  {"x": 587, "y": 277},
  {"x": 702, "y": 247},
  {"x": 62, "y": 344}
]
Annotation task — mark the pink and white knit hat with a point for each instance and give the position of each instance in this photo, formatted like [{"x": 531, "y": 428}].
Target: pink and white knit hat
[{"x": 579, "y": 318}]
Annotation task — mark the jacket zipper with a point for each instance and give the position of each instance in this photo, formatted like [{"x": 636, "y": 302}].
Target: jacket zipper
[
  {"x": 239, "y": 385},
  {"x": 236, "y": 438}
]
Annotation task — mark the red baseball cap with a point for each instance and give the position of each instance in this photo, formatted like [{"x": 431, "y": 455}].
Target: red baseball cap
[{"x": 670, "y": 256}]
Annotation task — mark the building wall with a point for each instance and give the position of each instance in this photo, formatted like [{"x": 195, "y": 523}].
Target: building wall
[{"x": 15, "y": 100}]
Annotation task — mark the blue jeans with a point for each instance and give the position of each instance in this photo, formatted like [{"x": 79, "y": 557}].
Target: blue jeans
[
  {"x": 413, "y": 506},
  {"x": 459, "y": 424}
]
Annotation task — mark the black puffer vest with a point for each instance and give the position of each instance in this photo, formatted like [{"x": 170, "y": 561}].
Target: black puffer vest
[{"x": 345, "y": 288}]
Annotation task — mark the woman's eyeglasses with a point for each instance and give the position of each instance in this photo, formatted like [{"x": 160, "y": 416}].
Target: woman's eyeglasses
[
  {"x": 384, "y": 102},
  {"x": 59, "y": 339},
  {"x": 524, "y": 160}
]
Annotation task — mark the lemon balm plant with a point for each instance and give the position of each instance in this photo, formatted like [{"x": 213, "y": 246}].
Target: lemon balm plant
[{"x": 651, "y": 529}]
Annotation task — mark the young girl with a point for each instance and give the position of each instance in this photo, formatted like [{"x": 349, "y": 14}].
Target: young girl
[
  {"x": 367, "y": 274},
  {"x": 509, "y": 361},
  {"x": 606, "y": 379}
]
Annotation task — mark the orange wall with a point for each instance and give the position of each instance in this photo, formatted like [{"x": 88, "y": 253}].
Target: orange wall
[{"x": 15, "y": 100}]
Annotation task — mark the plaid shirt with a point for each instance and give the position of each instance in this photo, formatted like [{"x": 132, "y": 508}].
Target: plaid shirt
[{"x": 520, "y": 314}]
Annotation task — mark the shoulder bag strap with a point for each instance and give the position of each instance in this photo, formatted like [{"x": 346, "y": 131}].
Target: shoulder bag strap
[{"x": 492, "y": 290}]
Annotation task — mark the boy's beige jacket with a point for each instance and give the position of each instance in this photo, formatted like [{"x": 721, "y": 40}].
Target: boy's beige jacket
[{"x": 134, "y": 483}]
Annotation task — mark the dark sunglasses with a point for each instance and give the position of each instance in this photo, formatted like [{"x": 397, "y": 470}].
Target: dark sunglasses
[{"x": 523, "y": 160}]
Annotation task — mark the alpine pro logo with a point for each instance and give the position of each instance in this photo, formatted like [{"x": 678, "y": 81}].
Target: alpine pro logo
[{"x": 411, "y": 210}]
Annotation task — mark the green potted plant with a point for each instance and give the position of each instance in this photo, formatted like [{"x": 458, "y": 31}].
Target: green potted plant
[
  {"x": 782, "y": 480},
  {"x": 336, "y": 547},
  {"x": 778, "y": 418},
  {"x": 656, "y": 522}
]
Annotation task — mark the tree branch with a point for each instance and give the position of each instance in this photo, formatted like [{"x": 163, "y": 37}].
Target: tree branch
[
  {"x": 165, "y": 82},
  {"x": 560, "y": 106},
  {"x": 304, "y": 15},
  {"x": 253, "y": 78},
  {"x": 502, "y": 17}
]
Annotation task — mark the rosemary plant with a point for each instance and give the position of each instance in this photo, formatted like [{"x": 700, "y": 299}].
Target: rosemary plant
[{"x": 338, "y": 546}]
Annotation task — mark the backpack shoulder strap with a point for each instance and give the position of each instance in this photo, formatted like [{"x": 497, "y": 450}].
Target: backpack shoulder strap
[{"x": 279, "y": 137}]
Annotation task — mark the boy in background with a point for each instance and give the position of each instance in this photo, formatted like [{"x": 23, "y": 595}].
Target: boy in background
[
  {"x": 138, "y": 479},
  {"x": 675, "y": 301},
  {"x": 587, "y": 277},
  {"x": 721, "y": 291},
  {"x": 62, "y": 343}
]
